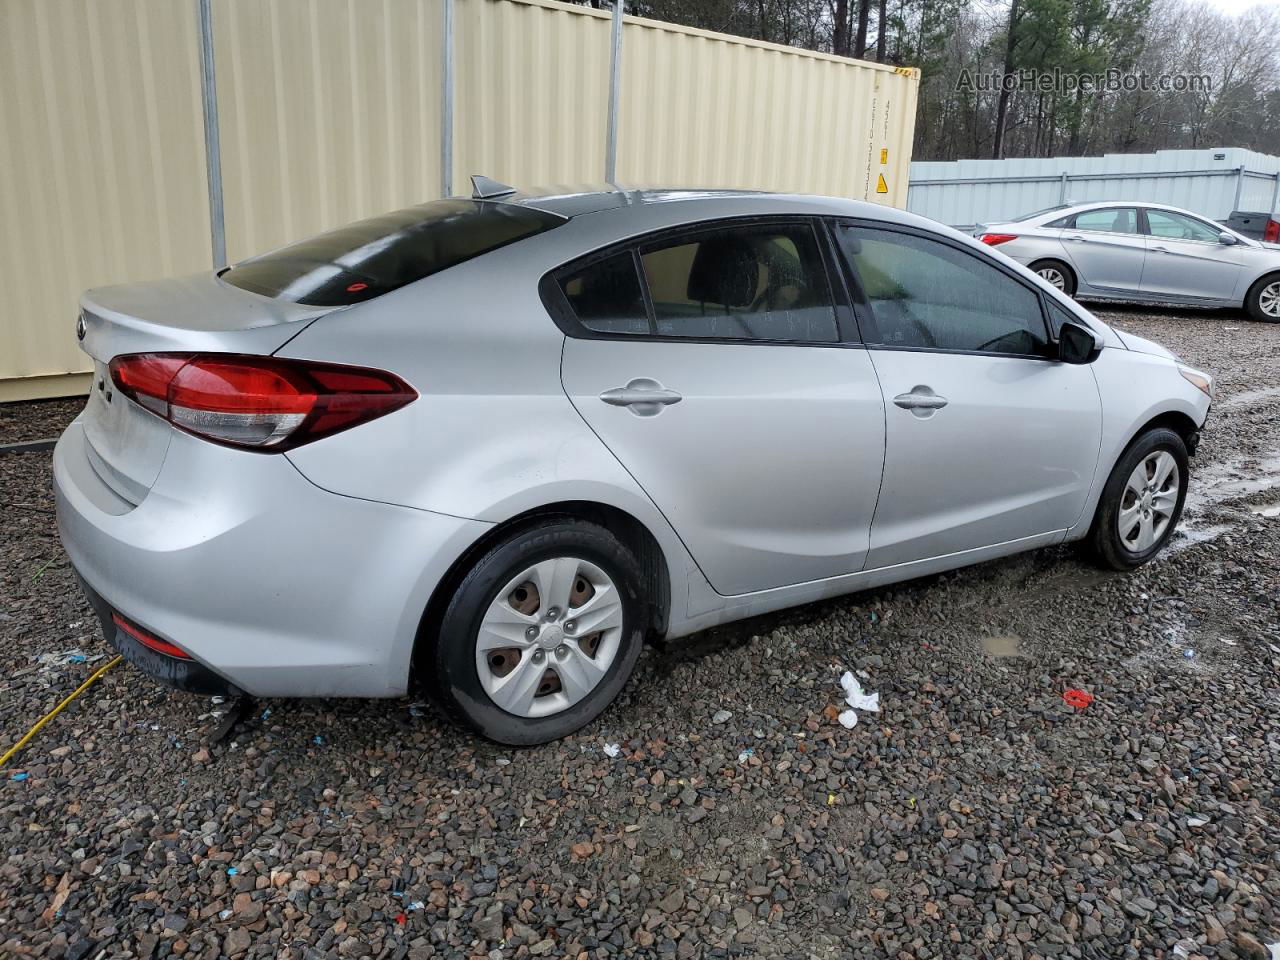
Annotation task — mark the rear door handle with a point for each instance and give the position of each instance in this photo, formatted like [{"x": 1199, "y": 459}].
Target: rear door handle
[
  {"x": 921, "y": 401},
  {"x": 1160, "y": 249},
  {"x": 643, "y": 396}
]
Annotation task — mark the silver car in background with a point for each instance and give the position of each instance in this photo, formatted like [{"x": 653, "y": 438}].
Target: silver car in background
[
  {"x": 488, "y": 446},
  {"x": 1143, "y": 252}
]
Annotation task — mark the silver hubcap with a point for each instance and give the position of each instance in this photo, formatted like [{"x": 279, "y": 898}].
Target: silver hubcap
[
  {"x": 549, "y": 637},
  {"x": 1269, "y": 299},
  {"x": 1150, "y": 495},
  {"x": 1054, "y": 276}
]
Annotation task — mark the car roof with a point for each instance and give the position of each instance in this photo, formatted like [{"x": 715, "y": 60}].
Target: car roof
[
  {"x": 571, "y": 202},
  {"x": 1108, "y": 204}
]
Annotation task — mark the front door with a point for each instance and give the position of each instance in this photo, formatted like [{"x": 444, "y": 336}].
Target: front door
[
  {"x": 1186, "y": 259},
  {"x": 987, "y": 440},
  {"x": 711, "y": 364}
]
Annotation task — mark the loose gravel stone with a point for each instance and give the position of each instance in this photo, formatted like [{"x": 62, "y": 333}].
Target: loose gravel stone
[{"x": 977, "y": 815}]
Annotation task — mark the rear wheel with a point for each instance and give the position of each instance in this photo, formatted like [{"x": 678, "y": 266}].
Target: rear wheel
[
  {"x": 1263, "y": 300},
  {"x": 1058, "y": 274},
  {"x": 1142, "y": 501},
  {"x": 542, "y": 634}
]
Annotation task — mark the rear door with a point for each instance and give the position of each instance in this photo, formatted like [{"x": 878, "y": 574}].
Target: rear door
[
  {"x": 1107, "y": 248},
  {"x": 1185, "y": 258},
  {"x": 716, "y": 365},
  {"x": 987, "y": 439}
]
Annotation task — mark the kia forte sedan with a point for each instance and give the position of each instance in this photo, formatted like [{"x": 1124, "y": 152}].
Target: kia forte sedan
[
  {"x": 488, "y": 445},
  {"x": 1144, "y": 252}
]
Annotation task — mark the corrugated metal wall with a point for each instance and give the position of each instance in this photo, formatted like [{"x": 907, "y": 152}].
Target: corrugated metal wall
[
  {"x": 331, "y": 110},
  {"x": 703, "y": 109},
  {"x": 1210, "y": 182},
  {"x": 102, "y": 168}
]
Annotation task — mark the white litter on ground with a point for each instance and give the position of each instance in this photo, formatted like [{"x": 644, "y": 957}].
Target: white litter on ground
[
  {"x": 857, "y": 700},
  {"x": 1274, "y": 950},
  {"x": 612, "y": 750}
]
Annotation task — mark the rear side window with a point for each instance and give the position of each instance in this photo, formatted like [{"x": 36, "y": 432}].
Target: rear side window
[
  {"x": 1108, "y": 220},
  {"x": 606, "y": 297},
  {"x": 755, "y": 282},
  {"x": 371, "y": 257}
]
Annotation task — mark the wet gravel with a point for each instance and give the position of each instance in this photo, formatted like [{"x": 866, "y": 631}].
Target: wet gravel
[
  {"x": 977, "y": 815},
  {"x": 40, "y": 420}
]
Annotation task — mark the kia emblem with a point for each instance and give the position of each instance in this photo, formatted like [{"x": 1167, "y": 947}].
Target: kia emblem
[{"x": 80, "y": 327}]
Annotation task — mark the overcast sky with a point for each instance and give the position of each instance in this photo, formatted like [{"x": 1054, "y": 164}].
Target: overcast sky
[{"x": 1236, "y": 6}]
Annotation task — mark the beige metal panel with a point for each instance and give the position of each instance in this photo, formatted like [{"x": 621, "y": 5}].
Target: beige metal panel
[
  {"x": 706, "y": 109},
  {"x": 101, "y": 166},
  {"x": 329, "y": 110},
  {"x": 532, "y": 94}
]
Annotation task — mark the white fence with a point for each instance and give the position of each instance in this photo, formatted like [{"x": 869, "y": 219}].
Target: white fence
[{"x": 1213, "y": 183}]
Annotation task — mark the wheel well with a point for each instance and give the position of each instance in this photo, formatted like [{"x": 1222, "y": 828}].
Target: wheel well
[
  {"x": 1062, "y": 263},
  {"x": 621, "y": 524},
  {"x": 1179, "y": 423},
  {"x": 1273, "y": 275}
]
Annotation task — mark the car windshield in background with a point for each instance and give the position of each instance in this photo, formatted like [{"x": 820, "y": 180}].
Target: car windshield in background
[
  {"x": 371, "y": 257},
  {"x": 1034, "y": 214}
]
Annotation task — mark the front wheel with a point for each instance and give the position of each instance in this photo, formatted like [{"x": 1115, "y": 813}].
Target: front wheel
[
  {"x": 542, "y": 633},
  {"x": 1263, "y": 299},
  {"x": 1142, "y": 501}
]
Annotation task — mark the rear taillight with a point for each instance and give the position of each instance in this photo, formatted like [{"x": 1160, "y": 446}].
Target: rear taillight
[
  {"x": 1272, "y": 233},
  {"x": 995, "y": 239},
  {"x": 257, "y": 403},
  {"x": 149, "y": 640}
]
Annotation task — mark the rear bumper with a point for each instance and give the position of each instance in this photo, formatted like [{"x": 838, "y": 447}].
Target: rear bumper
[
  {"x": 272, "y": 585},
  {"x": 188, "y": 676}
]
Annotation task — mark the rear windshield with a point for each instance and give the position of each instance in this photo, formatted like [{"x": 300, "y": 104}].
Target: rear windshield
[{"x": 366, "y": 259}]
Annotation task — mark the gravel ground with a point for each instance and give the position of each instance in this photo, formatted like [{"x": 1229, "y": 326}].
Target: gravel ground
[
  {"x": 40, "y": 420},
  {"x": 976, "y": 816}
]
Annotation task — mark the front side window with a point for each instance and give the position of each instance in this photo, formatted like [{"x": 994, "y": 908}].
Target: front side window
[
  {"x": 1174, "y": 226},
  {"x": 1109, "y": 220},
  {"x": 366, "y": 259},
  {"x": 753, "y": 282},
  {"x": 927, "y": 294}
]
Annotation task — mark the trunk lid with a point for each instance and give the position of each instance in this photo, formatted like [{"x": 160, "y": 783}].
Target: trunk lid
[{"x": 126, "y": 444}]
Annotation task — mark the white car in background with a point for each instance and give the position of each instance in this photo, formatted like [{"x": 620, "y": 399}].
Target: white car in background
[{"x": 1143, "y": 252}]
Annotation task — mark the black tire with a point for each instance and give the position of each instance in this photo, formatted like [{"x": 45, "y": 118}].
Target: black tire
[
  {"x": 1068, "y": 275},
  {"x": 1104, "y": 542},
  {"x": 1253, "y": 299},
  {"x": 453, "y": 680}
]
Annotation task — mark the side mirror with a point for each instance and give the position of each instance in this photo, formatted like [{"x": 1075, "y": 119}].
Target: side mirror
[
  {"x": 1229, "y": 239},
  {"x": 1077, "y": 344}
]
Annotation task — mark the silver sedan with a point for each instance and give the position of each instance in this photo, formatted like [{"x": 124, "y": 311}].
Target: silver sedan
[
  {"x": 489, "y": 445},
  {"x": 1143, "y": 252}
]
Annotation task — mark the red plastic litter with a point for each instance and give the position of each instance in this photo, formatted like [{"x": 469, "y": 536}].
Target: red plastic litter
[
  {"x": 400, "y": 919},
  {"x": 1077, "y": 698}
]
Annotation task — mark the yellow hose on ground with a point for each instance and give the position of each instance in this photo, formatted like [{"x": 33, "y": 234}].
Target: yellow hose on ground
[{"x": 9, "y": 754}]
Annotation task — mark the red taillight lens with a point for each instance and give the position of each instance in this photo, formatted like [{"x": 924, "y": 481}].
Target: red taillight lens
[
  {"x": 1272, "y": 233},
  {"x": 995, "y": 239},
  {"x": 149, "y": 640},
  {"x": 257, "y": 403}
]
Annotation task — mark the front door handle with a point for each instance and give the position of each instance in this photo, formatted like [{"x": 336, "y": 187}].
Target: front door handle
[
  {"x": 921, "y": 401},
  {"x": 1160, "y": 249},
  {"x": 642, "y": 396},
  {"x": 1076, "y": 239}
]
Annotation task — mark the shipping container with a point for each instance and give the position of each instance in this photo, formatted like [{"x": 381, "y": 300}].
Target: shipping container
[{"x": 158, "y": 137}]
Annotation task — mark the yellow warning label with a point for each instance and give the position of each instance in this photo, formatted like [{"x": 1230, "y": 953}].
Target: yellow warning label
[
  {"x": 881, "y": 186},
  {"x": 884, "y": 154}
]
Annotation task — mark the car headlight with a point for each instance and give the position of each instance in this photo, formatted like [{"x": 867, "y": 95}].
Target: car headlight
[{"x": 1198, "y": 379}]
